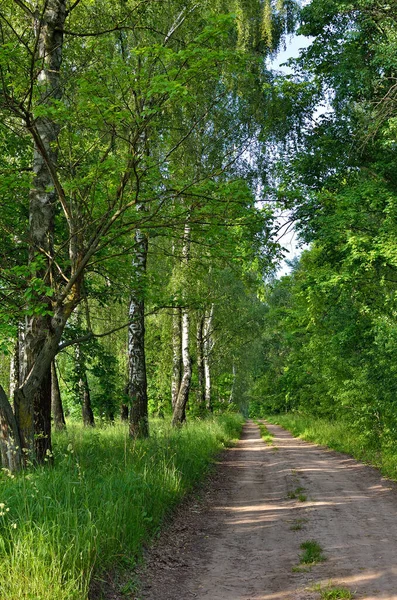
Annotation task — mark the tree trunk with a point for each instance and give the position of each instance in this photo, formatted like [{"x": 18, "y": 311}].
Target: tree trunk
[
  {"x": 10, "y": 443},
  {"x": 179, "y": 412},
  {"x": 200, "y": 364},
  {"x": 208, "y": 345},
  {"x": 56, "y": 401},
  {"x": 14, "y": 368},
  {"x": 124, "y": 412},
  {"x": 176, "y": 355},
  {"x": 33, "y": 408},
  {"x": 85, "y": 397},
  {"x": 83, "y": 386},
  {"x": 42, "y": 420},
  {"x": 137, "y": 381},
  {"x": 231, "y": 397}
]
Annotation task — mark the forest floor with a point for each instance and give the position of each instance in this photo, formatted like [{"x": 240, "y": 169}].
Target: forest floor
[{"x": 241, "y": 539}]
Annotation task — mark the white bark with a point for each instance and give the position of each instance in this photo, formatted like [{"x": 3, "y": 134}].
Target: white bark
[
  {"x": 179, "y": 413},
  {"x": 208, "y": 345},
  {"x": 14, "y": 368},
  {"x": 137, "y": 378},
  {"x": 176, "y": 355},
  {"x": 200, "y": 363}
]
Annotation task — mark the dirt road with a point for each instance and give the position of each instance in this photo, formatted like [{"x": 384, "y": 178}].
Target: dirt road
[{"x": 243, "y": 541}]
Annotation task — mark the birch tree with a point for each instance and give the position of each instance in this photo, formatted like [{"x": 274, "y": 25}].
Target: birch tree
[{"x": 182, "y": 397}]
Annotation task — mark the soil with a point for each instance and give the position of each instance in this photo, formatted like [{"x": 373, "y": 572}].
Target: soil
[{"x": 241, "y": 540}]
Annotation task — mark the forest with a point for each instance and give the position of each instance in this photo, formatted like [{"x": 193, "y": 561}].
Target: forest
[{"x": 152, "y": 163}]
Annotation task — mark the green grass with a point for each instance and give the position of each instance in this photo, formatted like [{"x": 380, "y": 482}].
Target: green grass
[
  {"x": 333, "y": 593},
  {"x": 265, "y": 433},
  {"x": 297, "y": 494},
  {"x": 105, "y": 497},
  {"x": 336, "y": 594},
  {"x": 340, "y": 436},
  {"x": 312, "y": 553}
]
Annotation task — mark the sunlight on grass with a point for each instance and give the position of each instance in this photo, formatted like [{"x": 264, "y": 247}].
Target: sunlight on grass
[{"x": 105, "y": 496}]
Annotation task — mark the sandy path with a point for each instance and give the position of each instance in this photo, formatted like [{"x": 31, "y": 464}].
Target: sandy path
[{"x": 243, "y": 543}]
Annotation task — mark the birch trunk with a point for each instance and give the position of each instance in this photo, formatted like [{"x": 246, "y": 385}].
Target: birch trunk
[
  {"x": 33, "y": 408},
  {"x": 56, "y": 401},
  {"x": 208, "y": 345},
  {"x": 137, "y": 380},
  {"x": 200, "y": 364},
  {"x": 176, "y": 355},
  {"x": 14, "y": 368},
  {"x": 179, "y": 412}
]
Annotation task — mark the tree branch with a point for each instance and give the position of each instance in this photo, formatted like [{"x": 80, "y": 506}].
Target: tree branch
[{"x": 25, "y": 8}]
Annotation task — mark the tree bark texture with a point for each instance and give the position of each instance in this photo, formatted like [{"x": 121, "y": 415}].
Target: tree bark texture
[
  {"x": 85, "y": 398},
  {"x": 137, "y": 380},
  {"x": 208, "y": 346},
  {"x": 179, "y": 412},
  {"x": 56, "y": 401},
  {"x": 33, "y": 402},
  {"x": 200, "y": 363},
  {"x": 176, "y": 354},
  {"x": 10, "y": 443},
  {"x": 14, "y": 368},
  {"x": 124, "y": 412}
]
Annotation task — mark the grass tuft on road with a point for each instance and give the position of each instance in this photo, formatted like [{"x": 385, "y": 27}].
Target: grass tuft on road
[
  {"x": 336, "y": 594},
  {"x": 312, "y": 553},
  {"x": 333, "y": 593},
  {"x": 104, "y": 498},
  {"x": 297, "y": 494},
  {"x": 266, "y": 435}
]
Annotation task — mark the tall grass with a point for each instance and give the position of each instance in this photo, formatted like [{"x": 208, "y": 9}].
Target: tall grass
[
  {"x": 104, "y": 497},
  {"x": 341, "y": 436}
]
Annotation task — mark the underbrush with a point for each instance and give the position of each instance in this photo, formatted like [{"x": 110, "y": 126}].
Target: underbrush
[
  {"x": 105, "y": 497},
  {"x": 341, "y": 436}
]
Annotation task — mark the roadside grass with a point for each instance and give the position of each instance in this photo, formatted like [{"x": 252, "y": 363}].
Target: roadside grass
[
  {"x": 340, "y": 436},
  {"x": 312, "y": 553},
  {"x": 104, "y": 498},
  {"x": 265, "y": 433}
]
